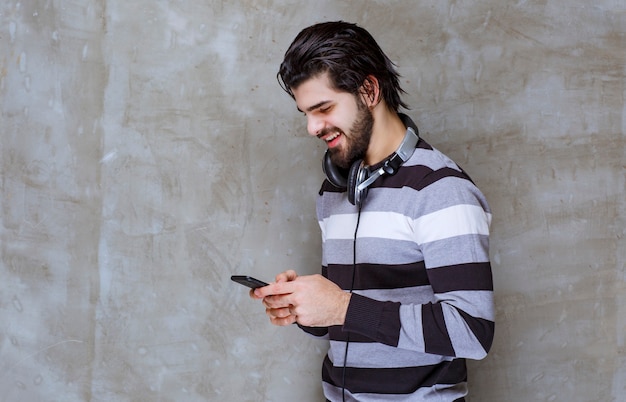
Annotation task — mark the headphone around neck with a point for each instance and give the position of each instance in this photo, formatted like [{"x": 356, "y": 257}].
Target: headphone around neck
[{"x": 359, "y": 177}]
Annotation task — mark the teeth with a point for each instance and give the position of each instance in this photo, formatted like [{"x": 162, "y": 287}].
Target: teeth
[{"x": 332, "y": 137}]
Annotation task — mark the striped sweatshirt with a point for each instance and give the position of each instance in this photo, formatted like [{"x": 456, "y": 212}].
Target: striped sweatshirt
[{"x": 422, "y": 287}]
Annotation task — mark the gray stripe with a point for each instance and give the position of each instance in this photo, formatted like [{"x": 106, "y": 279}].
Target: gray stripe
[
  {"x": 412, "y": 295},
  {"x": 377, "y": 355},
  {"x": 473, "y": 302},
  {"x": 457, "y": 250},
  {"x": 372, "y": 251},
  {"x": 435, "y": 393},
  {"x": 433, "y": 159}
]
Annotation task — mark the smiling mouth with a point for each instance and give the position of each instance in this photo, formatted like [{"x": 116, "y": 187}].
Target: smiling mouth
[{"x": 331, "y": 139}]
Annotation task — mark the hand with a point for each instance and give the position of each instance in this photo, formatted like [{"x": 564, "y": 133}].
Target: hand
[
  {"x": 282, "y": 277},
  {"x": 312, "y": 300},
  {"x": 279, "y": 315}
]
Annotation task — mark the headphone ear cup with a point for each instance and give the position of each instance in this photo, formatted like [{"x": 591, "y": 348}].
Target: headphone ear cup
[
  {"x": 333, "y": 173},
  {"x": 358, "y": 174}
]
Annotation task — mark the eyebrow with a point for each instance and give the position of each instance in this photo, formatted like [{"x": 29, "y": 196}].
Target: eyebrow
[{"x": 316, "y": 106}]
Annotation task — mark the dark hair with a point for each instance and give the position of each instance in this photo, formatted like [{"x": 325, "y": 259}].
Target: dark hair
[{"x": 348, "y": 53}]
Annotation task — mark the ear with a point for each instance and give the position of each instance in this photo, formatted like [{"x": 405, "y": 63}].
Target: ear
[{"x": 370, "y": 91}]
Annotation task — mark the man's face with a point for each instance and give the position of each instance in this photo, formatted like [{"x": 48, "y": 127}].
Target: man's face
[{"x": 339, "y": 118}]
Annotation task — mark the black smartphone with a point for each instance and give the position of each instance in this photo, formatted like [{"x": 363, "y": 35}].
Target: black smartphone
[{"x": 248, "y": 281}]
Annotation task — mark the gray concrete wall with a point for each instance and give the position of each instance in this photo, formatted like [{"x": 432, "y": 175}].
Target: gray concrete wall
[{"x": 147, "y": 153}]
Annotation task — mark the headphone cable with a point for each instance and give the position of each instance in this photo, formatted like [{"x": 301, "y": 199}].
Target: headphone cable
[{"x": 345, "y": 356}]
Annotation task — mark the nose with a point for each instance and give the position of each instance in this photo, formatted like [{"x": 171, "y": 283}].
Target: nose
[{"x": 314, "y": 125}]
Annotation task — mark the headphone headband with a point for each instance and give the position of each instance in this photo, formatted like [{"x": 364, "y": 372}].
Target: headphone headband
[{"x": 393, "y": 163}]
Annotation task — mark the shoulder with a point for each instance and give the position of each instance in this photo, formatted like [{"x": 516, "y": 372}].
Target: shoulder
[
  {"x": 432, "y": 181},
  {"x": 426, "y": 166}
]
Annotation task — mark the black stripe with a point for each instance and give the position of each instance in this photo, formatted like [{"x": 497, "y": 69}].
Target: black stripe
[
  {"x": 407, "y": 176},
  {"x": 418, "y": 177},
  {"x": 404, "y": 380},
  {"x": 481, "y": 328},
  {"x": 436, "y": 337},
  {"x": 336, "y": 333},
  {"x": 379, "y": 320},
  {"x": 315, "y": 331},
  {"x": 364, "y": 323},
  {"x": 378, "y": 276},
  {"x": 327, "y": 187},
  {"x": 471, "y": 276},
  {"x": 421, "y": 144},
  {"x": 440, "y": 174}
]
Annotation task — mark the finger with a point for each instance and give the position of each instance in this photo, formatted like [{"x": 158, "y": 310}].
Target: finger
[
  {"x": 286, "y": 276},
  {"x": 253, "y": 295},
  {"x": 284, "y": 321},
  {"x": 278, "y": 312},
  {"x": 291, "y": 275},
  {"x": 263, "y": 292},
  {"x": 279, "y": 288},
  {"x": 293, "y": 310},
  {"x": 279, "y": 301}
]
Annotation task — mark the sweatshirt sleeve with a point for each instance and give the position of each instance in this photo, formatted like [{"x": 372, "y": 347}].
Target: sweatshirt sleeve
[{"x": 317, "y": 332}]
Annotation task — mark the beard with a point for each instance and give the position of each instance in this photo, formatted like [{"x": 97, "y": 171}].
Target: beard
[{"x": 358, "y": 141}]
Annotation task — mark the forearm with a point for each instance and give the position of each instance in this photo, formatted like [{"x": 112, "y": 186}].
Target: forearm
[
  {"x": 376, "y": 320},
  {"x": 435, "y": 328}
]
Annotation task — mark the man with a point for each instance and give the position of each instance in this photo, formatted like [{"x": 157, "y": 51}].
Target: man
[{"x": 406, "y": 291}]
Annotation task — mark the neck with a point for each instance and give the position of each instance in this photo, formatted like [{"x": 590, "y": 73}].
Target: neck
[{"x": 387, "y": 134}]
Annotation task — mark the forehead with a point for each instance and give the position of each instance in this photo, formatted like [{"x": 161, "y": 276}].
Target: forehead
[{"x": 316, "y": 91}]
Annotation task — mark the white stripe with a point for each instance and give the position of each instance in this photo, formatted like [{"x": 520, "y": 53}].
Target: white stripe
[
  {"x": 449, "y": 222},
  {"x": 340, "y": 226},
  {"x": 386, "y": 225}
]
